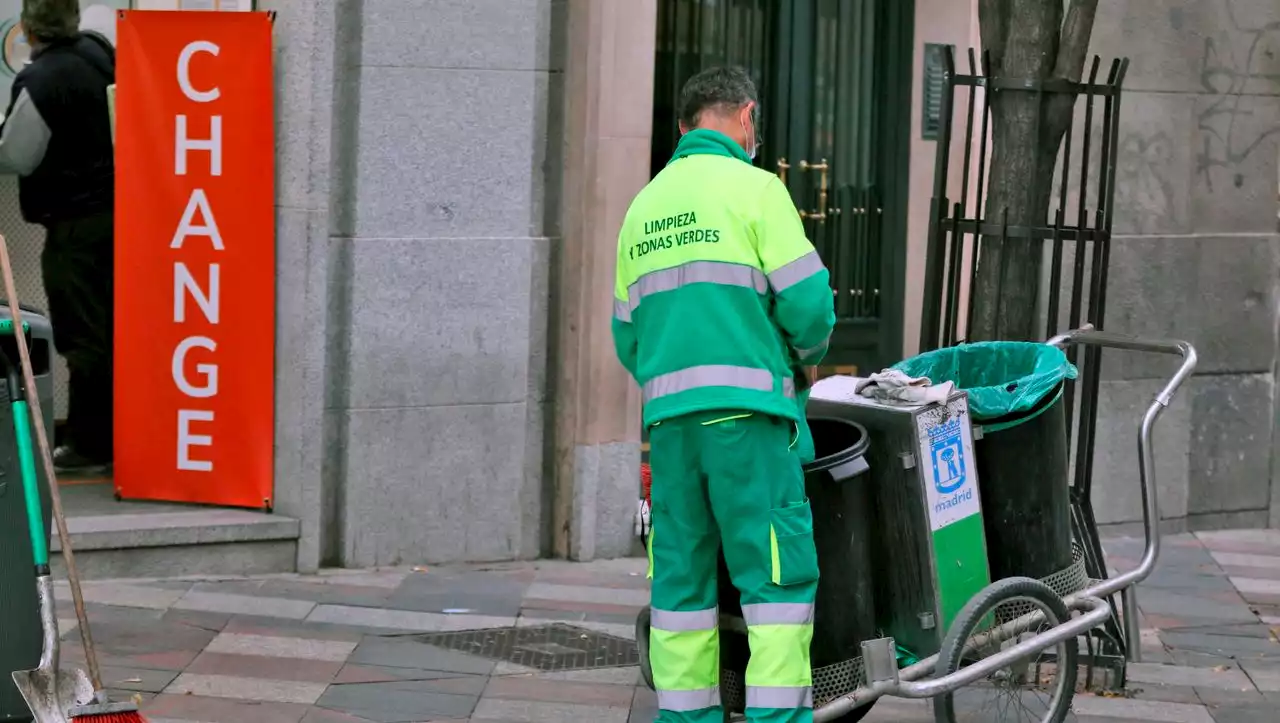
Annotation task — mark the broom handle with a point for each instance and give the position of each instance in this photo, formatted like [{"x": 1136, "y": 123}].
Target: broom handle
[{"x": 46, "y": 456}]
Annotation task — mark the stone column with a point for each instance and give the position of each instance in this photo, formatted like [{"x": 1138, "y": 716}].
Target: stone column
[
  {"x": 608, "y": 108},
  {"x": 304, "y": 68}
]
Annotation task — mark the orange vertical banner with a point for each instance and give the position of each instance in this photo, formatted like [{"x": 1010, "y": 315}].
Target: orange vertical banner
[{"x": 195, "y": 258}]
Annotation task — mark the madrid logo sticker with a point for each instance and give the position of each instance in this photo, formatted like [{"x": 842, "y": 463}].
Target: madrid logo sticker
[
  {"x": 950, "y": 483},
  {"x": 948, "y": 458}
]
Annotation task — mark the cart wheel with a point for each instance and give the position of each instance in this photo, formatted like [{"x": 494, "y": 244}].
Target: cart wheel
[
  {"x": 642, "y": 646},
  {"x": 1036, "y": 690}
]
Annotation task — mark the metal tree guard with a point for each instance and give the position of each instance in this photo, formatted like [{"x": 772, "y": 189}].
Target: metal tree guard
[{"x": 956, "y": 231}]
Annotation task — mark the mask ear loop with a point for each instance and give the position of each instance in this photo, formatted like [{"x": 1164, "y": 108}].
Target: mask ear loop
[{"x": 754, "y": 115}]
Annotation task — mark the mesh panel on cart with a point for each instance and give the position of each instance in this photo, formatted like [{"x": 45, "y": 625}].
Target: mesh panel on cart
[
  {"x": 1063, "y": 583},
  {"x": 25, "y": 244},
  {"x": 829, "y": 682}
]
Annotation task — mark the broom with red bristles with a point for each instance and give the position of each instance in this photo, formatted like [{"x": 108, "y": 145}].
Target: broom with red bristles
[{"x": 99, "y": 710}]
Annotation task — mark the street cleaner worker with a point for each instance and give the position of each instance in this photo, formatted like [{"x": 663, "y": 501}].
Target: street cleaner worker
[{"x": 720, "y": 303}]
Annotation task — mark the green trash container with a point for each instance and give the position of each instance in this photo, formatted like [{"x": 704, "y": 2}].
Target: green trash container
[
  {"x": 20, "y": 635},
  {"x": 1015, "y": 395}
]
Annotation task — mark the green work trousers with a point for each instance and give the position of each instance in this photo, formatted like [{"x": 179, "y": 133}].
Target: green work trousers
[{"x": 731, "y": 479}]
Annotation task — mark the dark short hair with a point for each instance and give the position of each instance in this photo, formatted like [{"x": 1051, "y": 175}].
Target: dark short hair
[
  {"x": 722, "y": 89},
  {"x": 49, "y": 20}
]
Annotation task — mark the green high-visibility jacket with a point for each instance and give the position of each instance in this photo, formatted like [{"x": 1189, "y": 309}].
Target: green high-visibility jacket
[{"x": 720, "y": 299}]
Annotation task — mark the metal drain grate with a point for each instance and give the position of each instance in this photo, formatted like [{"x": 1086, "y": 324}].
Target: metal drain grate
[{"x": 548, "y": 648}]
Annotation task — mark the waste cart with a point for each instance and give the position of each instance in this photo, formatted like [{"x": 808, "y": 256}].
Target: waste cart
[
  {"x": 20, "y": 631},
  {"x": 1015, "y": 399},
  {"x": 845, "y": 613}
]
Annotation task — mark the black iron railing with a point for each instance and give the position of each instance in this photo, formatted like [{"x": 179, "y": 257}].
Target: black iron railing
[{"x": 1075, "y": 238}]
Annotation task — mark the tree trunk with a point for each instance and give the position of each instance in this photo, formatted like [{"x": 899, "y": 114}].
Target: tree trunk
[{"x": 1025, "y": 40}]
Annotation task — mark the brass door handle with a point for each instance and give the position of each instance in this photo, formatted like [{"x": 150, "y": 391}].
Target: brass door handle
[
  {"x": 820, "y": 215},
  {"x": 783, "y": 166}
]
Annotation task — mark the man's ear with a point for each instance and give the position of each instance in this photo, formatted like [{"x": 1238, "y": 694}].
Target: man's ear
[{"x": 683, "y": 128}]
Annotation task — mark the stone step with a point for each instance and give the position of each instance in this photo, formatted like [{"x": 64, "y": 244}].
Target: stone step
[{"x": 198, "y": 541}]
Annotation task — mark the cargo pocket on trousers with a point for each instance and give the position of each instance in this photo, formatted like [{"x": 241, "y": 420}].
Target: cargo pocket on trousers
[{"x": 795, "y": 558}]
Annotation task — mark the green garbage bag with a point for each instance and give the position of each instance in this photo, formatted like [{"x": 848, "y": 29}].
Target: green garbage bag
[{"x": 1003, "y": 378}]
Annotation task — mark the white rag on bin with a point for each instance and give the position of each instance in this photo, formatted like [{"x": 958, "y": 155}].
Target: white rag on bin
[{"x": 892, "y": 386}]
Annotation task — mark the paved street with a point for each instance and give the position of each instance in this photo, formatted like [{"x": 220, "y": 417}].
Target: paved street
[{"x": 352, "y": 646}]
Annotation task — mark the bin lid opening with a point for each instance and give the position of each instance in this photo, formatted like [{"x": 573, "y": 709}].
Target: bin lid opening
[{"x": 835, "y": 442}]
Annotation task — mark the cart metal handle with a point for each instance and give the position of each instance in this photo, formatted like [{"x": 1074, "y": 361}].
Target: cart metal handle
[{"x": 1088, "y": 336}]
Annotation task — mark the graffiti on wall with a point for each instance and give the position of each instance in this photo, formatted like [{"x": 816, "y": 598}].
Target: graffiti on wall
[
  {"x": 1240, "y": 74},
  {"x": 1145, "y": 197}
]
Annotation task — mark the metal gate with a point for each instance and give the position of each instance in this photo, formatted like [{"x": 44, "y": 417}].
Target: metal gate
[{"x": 835, "y": 83}]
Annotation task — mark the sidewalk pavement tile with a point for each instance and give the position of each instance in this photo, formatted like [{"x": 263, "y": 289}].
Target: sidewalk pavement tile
[
  {"x": 265, "y": 667},
  {"x": 572, "y": 577},
  {"x": 402, "y": 701},
  {"x": 394, "y": 653},
  {"x": 257, "y": 689},
  {"x": 1164, "y": 693},
  {"x": 628, "y": 617},
  {"x": 1267, "y": 681},
  {"x": 629, "y": 675},
  {"x": 583, "y": 594},
  {"x": 493, "y": 709},
  {"x": 323, "y": 715},
  {"x": 644, "y": 706},
  {"x": 582, "y": 607},
  {"x": 358, "y": 673},
  {"x": 328, "y": 593},
  {"x": 388, "y": 579},
  {"x": 1256, "y": 573},
  {"x": 278, "y": 628},
  {"x": 1228, "y": 646},
  {"x": 118, "y": 595},
  {"x": 245, "y": 605},
  {"x": 314, "y": 590},
  {"x": 143, "y": 680},
  {"x": 281, "y": 647},
  {"x": 1238, "y": 630},
  {"x": 214, "y": 622},
  {"x": 550, "y": 691},
  {"x": 1217, "y": 697},
  {"x": 1140, "y": 710},
  {"x": 222, "y": 710},
  {"x": 901, "y": 710},
  {"x": 1265, "y": 713},
  {"x": 405, "y": 619},
  {"x": 1192, "y": 606},
  {"x": 1230, "y": 679},
  {"x": 1233, "y": 559},
  {"x": 477, "y": 593},
  {"x": 1252, "y": 586}
]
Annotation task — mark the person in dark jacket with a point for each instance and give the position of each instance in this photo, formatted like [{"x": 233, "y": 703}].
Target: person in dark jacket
[{"x": 56, "y": 136}]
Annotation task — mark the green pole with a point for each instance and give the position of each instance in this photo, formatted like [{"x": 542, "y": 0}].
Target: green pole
[{"x": 30, "y": 488}]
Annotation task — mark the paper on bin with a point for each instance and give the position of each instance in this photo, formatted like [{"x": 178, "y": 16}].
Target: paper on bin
[{"x": 839, "y": 388}]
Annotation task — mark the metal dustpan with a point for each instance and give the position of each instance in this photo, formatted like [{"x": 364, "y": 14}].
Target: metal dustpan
[{"x": 51, "y": 693}]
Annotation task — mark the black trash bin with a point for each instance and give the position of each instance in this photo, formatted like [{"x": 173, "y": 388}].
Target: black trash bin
[
  {"x": 844, "y": 614},
  {"x": 20, "y": 635},
  {"x": 1015, "y": 394}
]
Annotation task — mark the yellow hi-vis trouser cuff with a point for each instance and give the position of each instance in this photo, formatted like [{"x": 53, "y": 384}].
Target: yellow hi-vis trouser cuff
[
  {"x": 779, "y": 673},
  {"x": 684, "y": 650}
]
